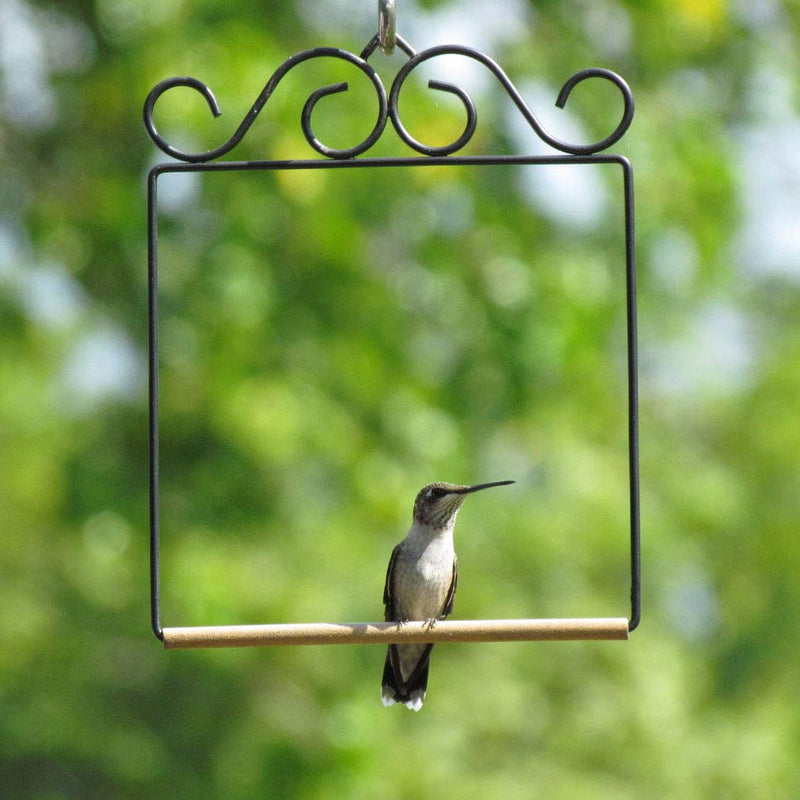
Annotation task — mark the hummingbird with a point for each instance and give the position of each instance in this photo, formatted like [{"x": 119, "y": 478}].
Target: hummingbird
[{"x": 421, "y": 585}]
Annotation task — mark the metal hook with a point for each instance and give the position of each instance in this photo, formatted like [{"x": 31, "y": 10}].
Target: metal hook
[{"x": 387, "y": 26}]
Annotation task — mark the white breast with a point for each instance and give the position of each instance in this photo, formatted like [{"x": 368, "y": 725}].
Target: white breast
[{"x": 423, "y": 574}]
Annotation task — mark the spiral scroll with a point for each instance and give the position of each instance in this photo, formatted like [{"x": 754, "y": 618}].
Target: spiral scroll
[
  {"x": 563, "y": 95},
  {"x": 261, "y": 101},
  {"x": 388, "y": 107}
]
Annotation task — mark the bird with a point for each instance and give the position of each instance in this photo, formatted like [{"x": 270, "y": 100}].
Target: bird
[{"x": 421, "y": 583}]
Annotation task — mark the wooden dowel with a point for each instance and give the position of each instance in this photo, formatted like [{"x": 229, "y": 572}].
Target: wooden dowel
[{"x": 498, "y": 630}]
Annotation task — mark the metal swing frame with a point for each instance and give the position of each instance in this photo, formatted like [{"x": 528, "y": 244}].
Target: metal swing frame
[{"x": 429, "y": 156}]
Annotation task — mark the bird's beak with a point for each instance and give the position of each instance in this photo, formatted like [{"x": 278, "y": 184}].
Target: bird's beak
[{"x": 478, "y": 486}]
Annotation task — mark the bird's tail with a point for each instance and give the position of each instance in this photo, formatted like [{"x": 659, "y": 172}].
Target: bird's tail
[{"x": 411, "y": 692}]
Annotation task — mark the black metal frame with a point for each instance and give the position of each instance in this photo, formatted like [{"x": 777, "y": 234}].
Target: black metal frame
[{"x": 433, "y": 156}]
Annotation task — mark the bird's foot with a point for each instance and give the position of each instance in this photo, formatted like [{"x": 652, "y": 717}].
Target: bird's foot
[{"x": 430, "y": 622}]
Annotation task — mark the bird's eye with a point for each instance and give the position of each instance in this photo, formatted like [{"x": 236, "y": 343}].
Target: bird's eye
[{"x": 437, "y": 491}]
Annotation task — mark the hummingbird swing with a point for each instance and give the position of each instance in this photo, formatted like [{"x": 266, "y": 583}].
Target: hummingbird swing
[{"x": 387, "y": 40}]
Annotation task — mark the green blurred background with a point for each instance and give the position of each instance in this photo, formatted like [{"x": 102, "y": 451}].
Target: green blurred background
[{"x": 332, "y": 341}]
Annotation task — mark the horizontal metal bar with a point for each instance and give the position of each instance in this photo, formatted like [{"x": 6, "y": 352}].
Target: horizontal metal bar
[
  {"x": 391, "y": 162},
  {"x": 497, "y": 630}
]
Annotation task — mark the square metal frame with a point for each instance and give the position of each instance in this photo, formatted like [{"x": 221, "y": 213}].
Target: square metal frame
[{"x": 361, "y": 163}]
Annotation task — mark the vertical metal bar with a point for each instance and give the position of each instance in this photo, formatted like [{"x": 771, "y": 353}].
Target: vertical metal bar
[
  {"x": 152, "y": 351},
  {"x": 633, "y": 398}
]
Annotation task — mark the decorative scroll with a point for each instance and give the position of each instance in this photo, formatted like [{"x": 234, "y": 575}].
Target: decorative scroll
[{"x": 388, "y": 105}]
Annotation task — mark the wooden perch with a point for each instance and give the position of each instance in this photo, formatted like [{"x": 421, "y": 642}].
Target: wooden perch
[{"x": 498, "y": 630}]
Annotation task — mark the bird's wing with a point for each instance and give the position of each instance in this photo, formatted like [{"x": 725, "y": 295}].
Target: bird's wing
[
  {"x": 388, "y": 602},
  {"x": 451, "y": 592}
]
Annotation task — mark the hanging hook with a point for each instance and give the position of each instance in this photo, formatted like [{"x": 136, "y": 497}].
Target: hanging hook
[{"x": 387, "y": 26}]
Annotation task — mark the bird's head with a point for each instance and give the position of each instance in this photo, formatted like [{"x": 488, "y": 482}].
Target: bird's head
[{"x": 437, "y": 503}]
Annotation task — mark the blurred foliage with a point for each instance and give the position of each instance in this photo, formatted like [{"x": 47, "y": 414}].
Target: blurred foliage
[{"x": 332, "y": 340}]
